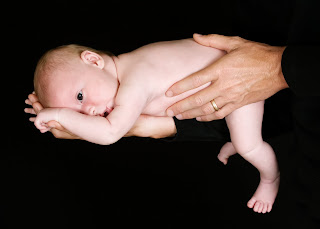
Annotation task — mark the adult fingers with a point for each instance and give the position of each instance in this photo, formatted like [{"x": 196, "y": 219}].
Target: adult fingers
[
  {"x": 194, "y": 80},
  {"x": 59, "y": 131},
  {"x": 28, "y": 102},
  {"x": 33, "y": 98},
  {"x": 60, "y": 134},
  {"x": 37, "y": 107},
  {"x": 56, "y": 125},
  {"x": 219, "y": 41},
  {"x": 29, "y": 110},
  {"x": 194, "y": 101},
  {"x": 206, "y": 109},
  {"x": 220, "y": 114}
]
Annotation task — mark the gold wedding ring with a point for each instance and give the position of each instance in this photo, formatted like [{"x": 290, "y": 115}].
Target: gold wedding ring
[{"x": 214, "y": 105}]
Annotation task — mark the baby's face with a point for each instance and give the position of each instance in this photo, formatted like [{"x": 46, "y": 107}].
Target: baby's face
[{"x": 90, "y": 91}]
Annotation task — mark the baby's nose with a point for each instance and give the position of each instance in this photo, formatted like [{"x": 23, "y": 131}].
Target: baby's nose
[{"x": 92, "y": 111}]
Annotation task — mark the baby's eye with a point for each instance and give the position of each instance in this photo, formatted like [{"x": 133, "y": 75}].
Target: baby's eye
[{"x": 80, "y": 96}]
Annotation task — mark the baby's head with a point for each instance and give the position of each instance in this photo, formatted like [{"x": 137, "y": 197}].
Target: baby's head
[{"x": 77, "y": 77}]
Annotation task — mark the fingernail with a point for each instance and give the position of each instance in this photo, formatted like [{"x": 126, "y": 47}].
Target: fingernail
[
  {"x": 170, "y": 113},
  {"x": 179, "y": 116},
  {"x": 169, "y": 93},
  {"x": 198, "y": 118}
]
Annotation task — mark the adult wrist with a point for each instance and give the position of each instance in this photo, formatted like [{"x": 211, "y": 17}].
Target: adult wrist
[
  {"x": 165, "y": 129},
  {"x": 282, "y": 80}
]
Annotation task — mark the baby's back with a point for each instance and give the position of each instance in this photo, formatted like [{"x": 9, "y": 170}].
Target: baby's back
[{"x": 164, "y": 63}]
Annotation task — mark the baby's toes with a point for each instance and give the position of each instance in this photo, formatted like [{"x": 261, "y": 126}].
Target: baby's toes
[
  {"x": 256, "y": 206},
  {"x": 223, "y": 159},
  {"x": 265, "y": 208},
  {"x": 251, "y": 202},
  {"x": 261, "y": 207}
]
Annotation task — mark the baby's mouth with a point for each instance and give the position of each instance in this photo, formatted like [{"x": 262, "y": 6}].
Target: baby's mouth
[{"x": 107, "y": 112}]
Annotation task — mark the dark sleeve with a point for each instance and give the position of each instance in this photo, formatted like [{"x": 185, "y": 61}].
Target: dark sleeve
[
  {"x": 300, "y": 67},
  {"x": 301, "y": 59},
  {"x": 192, "y": 130}
]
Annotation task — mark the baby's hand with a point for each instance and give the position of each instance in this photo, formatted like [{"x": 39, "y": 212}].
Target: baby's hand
[{"x": 44, "y": 116}]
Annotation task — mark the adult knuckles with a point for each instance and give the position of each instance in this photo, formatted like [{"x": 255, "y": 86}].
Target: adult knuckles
[
  {"x": 197, "y": 101},
  {"x": 177, "y": 108},
  {"x": 197, "y": 80},
  {"x": 207, "y": 109},
  {"x": 238, "y": 39},
  {"x": 231, "y": 97}
]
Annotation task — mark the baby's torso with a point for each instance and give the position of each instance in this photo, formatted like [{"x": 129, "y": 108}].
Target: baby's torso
[{"x": 159, "y": 65}]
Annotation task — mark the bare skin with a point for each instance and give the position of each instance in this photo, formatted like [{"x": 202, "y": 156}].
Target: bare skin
[
  {"x": 91, "y": 89},
  {"x": 145, "y": 126},
  {"x": 248, "y": 73}
]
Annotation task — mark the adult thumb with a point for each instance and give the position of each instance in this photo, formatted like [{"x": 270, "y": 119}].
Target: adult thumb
[
  {"x": 55, "y": 125},
  {"x": 218, "y": 41}
]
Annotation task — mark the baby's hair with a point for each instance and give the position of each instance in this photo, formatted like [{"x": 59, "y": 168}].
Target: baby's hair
[{"x": 57, "y": 59}]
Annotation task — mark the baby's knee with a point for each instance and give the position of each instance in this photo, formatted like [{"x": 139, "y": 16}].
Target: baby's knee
[{"x": 247, "y": 147}]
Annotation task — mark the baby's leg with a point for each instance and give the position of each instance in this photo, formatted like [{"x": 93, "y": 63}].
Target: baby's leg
[{"x": 245, "y": 126}]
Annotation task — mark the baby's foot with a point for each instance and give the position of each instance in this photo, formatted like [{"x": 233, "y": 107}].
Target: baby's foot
[
  {"x": 226, "y": 151},
  {"x": 264, "y": 197}
]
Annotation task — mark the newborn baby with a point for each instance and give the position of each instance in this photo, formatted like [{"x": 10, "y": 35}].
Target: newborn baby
[{"x": 99, "y": 96}]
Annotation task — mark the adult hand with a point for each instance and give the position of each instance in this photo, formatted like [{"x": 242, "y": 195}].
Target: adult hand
[
  {"x": 248, "y": 73},
  {"x": 56, "y": 129}
]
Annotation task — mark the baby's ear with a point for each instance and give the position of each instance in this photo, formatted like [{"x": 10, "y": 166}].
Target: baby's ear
[{"x": 92, "y": 58}]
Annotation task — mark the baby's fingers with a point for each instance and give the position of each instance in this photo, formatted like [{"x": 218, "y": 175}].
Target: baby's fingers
[
  {"x": 43, "y": 127},
  {"x": 32, "y": 119},
  {"x": 44, "y": 130}
]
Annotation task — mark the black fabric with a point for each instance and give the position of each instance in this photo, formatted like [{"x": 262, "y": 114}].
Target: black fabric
[
  {"x": 192, "y": 130},
  {"x": 53, "y": 183},
  {"x": 300, "y": 66}
]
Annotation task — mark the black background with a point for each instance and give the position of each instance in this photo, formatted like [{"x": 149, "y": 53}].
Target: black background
[{"x": 146, "y": 183}]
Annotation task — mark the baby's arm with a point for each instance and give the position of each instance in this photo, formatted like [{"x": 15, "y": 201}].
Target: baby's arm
[
  {"x": 98, "y": 129},
  {"x": 94, "y": 129}
]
